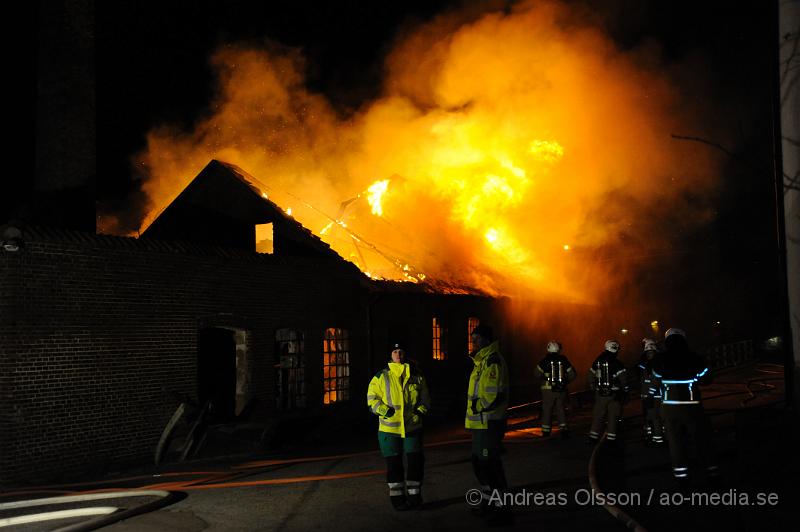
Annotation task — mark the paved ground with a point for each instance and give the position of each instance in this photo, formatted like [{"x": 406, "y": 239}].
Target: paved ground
[{"x": 340, "y": 486}]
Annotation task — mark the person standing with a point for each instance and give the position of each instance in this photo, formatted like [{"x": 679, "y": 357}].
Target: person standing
[
  {"x": 556, "y": 372},
  {"x": 650, "y": 394},
  {"x": 398, "y": 395},
  {"x": 682, "y": 372},
  {"x": 607, "y": 379},
  {"x": 487, "y": 404}
]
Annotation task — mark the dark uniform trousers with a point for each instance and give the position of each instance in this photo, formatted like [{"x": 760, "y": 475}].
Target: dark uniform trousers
[
  {"x": 605, "y": 407},
  {"x": 552, "y": 399},
  {"x": 681, "y": 421},
  {"x": 653, "y": 419}
]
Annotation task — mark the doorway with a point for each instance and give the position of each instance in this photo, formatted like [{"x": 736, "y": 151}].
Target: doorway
[{"x": 216, "y": 372}]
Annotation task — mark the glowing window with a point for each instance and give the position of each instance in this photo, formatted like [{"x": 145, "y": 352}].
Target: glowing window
[
  {"x": 264, "y": 238},
  {"x": 471, "y": 324},
  {"x": 438, "y": 340},
  {"x": 336, "y": 366}
]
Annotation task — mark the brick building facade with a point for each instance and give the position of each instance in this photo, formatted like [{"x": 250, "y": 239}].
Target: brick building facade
[{"x": 98, "y": 332}]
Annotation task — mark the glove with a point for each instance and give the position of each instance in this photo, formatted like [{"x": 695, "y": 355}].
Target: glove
[{"x": 389, "y": 413}]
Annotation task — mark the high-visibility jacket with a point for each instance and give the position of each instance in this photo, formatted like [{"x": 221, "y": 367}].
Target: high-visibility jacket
[
  {"x": 487, "y": 394},
  {"x": 403, "y": 388}
]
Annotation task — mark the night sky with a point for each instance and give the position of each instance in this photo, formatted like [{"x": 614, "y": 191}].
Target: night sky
[{"x": 152, "y": 67}]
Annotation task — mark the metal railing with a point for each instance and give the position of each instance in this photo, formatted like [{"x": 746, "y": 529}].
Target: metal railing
[{"x": 728, "y": 355}]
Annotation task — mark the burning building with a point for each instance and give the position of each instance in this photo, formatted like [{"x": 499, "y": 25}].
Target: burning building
[{"x": 101, "y": 333}]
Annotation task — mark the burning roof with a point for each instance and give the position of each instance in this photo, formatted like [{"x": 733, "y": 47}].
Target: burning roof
[{"x": 222, "y": 205}]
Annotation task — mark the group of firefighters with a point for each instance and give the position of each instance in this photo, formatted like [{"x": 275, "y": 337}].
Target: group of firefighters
[{"x": 669, "y": 378}]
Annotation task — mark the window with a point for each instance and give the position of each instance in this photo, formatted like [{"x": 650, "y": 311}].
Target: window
[
  {"x": 336, "y": 366},
  {"x": 471, "y": 324},
  {"x": 290, "y": 371},
  {"x": 264, "y": 238},
  {"x": 439, "y": 352}
]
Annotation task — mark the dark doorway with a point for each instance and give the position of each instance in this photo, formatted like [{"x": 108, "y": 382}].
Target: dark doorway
[{"x": 216, "y": 372}]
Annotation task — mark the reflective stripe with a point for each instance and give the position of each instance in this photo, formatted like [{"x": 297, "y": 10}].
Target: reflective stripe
[
  {"x": 388, "y": 389},
  {"x": 372, "y": 397},
  {"x": 611, "y": 437},
  {"x": 562, "y": 426},
  {"x": 477, "y": 417},
  {"x": 485, "y": 403},
  {"x": 388, "y": 423},
  {"x": 681, "y": 475},
  {"x": 413, "y": 491},
  {"x": 545, "y": 427},
  {"x": 593, "y": 433},
  {"x": 475, "y": 393},
  {"x": 680, "y": 469},
  {"x": 490, "y": 389}
]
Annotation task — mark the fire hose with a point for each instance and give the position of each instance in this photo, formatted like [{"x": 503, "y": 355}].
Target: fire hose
[{"x": 107, "y": 514}]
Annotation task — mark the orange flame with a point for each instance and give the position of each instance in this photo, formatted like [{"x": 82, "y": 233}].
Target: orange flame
[
  {"x": 504, "y": 137},
  {"x": 376, "y": 191}
]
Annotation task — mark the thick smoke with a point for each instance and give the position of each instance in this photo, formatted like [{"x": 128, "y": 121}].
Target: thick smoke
[{"x": 527, "y": 155}]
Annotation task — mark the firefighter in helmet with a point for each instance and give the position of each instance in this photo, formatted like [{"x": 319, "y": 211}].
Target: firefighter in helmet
[
  {"x": 650, "y": 394},
  {"x": 487, "y": 402},
  {"x": 607, "y": 379},
  {"x": 556, "y": 372},
  {"x": 681, "y": 372},
  {"x": 398, "y": 395}
]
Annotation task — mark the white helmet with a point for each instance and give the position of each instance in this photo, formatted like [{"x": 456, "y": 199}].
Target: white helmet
[
  {"x": 648, "y": 344},
  {"x": 673, "y": 330},
  {"x": 553, "y": 347},
  {"x": 612, "y": 346}
]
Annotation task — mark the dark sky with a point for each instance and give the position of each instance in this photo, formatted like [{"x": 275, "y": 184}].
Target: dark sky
[{"x": 152, "y": 57}]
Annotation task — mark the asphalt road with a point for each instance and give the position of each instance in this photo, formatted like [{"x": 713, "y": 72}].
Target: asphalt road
[{"x": 341, "y": 488}]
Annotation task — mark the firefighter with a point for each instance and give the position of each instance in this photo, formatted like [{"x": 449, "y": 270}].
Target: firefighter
[
  {"x": 487, "y": 402},
  {"x": 607, "y": 379},
  {"x": 682, "y": 372},
  {"x": 650, "y": 394},
  {"x": 556, "y": 372},
  {"x": 398, "y": 395}
]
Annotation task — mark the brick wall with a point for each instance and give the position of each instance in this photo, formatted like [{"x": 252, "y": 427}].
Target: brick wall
[{"x": 94, "y": 329}]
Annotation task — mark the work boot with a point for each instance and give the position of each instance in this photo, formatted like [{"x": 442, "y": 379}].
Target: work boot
[
  {"x": 415, "y": 502},
  {"x": 684, "y": 486},
  {"x": 500, "y": 516},
  {"x": 399, "y": 502}
]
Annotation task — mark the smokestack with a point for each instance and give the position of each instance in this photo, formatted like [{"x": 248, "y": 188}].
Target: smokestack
[{"x": 63, "y": 192}]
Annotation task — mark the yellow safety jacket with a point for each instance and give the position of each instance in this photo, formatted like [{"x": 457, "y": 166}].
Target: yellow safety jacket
[
  {"x": 402, "y": 387},
  {"x": 487, "y": 395}
]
